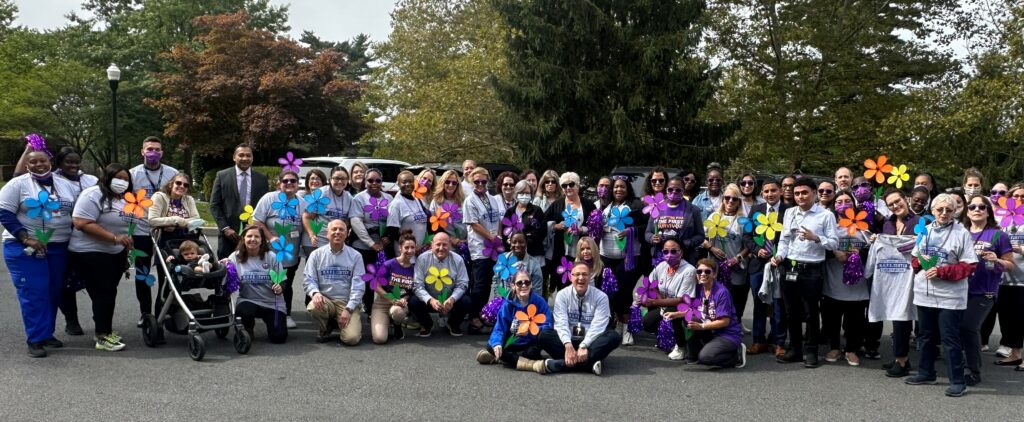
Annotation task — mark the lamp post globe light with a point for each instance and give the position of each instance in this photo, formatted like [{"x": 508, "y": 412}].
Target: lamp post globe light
[{"x": 114, "y": 76}]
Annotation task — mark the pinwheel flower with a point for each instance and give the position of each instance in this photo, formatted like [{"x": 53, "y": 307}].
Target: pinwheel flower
[
  {"x": 530, "y": 321},
  {"x": 493, "y": 247},
  {"x": 42, "y": 206},
  {"x": 512, "y": 224},
  {"x": 898, "y": 176},
  {"x": 648, "y": 289},
  {"x": 142, "y": 274},
  {"x": 438, "y": 277},
  {"x": 564, "y": 269},
  {"x": 377, "y": 208},
  {"x": 376, "y": 275},
  {"x": 768, "y": 225},
  {"x": 690, "y": 307},
  {"x": 876, "y": 169},
  {"x": 247, "y": 215},
  {"x": 285, "y": 207},
  {"x": 289, "y": 162},
  {"x": 316, "y": 202},
  {"x": 421, "y": 189},
  {"x": 1011, "y": 214},
  {"x": 137, "y": 203},
  {"x": 854, "y": 221},
  {"x": 716, "y": 226},
  {"x": 506, "y": 266},
  {"x": 569, "y": 215},
  {"x": 619, "y": 218},
  {"x": 284, "y": 250},
  {"x": 655, "y": 205},
  {"x": 439, "y": 219},
  {"x": 454, "y": 211}
]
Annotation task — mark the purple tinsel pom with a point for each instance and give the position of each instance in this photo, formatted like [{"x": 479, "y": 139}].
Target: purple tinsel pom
[
  {"x": 464, "y": 251},
  {"x": 609, "y": 285},
  {"x": 231, "y": 281},
  {"x": 869, "y": 207},
  {"x": 37, "y": 143},
  {"x": 656, "y": 258},
  {"x": 636, "y": 320},
  {"x": 594, "y": 224},
  {"x": 490, "y": 311},
  {"x": 724, "y": 272},
  {"x": 853, "y": 271},
  {"x": 381, "y": 258},
  {"x": 666, "y": 336}
]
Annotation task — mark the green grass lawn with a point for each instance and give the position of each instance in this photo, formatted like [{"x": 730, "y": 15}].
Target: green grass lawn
[{"x": 204, "y": 213}]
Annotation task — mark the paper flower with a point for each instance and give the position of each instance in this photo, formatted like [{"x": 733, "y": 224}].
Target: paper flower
[
  {"x": 316, "y": 202},
  {"x": 439, "y": 219},
  {"x": 854, "y": 221},
  {"x": 512, "y": 224},
  {"x": 286, "y": 208},
  {"x": 877, "y": 169},
  {"x": 1011, "y": 213},
  {"x": 246, "y": 216},
  {"x": 690, "y": 307},
  {"x": 506, "y": 266},
  {"x": 898, "y": 176},
  {"x": 421, "y": 189},
  {"x": 768, "y": 225},
  {"x": 142, "y": 274},
  {"x": 648, "y": 289},
  {"x": 619, "y": 218},
  {"x": 137, "y": 203},
  {"x": 654, "y": 205},
  {"x": 716, "y": 226},
  {"x": 747, "y": 224},
  {"x": 453, "y": 210},
  {"x": 376, "y": 275},
  {"x": 289, "y": 162},
  {"x": 231, "y": 279},
  {"x": 377, "y": 208},
  {"x": 42, "y": 206},
  {"x": 530, "y": 321},
  {"x": 284, "y": 250},
  {"x": 37, "y": 143},
  {"x": 564, "y": 269},
  {"x": 438, "y": 277},
  {"x": 278, "y": 276},
  {"x": 569, "y": 215},
  {"x": 493, "y": 247},
  {"x": 133, "y": 254}
]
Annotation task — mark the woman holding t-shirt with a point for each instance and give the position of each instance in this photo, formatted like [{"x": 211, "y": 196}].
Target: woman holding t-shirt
[
  {"x": 258, "y": 297},
  {"x": 399, "y": 273}
]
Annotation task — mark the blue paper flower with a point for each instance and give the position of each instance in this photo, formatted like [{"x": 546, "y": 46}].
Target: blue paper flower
[
  {"x": 506, "y": 266},
  {"x": 286, "y": 207},
  {"x": 316, "y": 202},
  {"x": 142, "y": 274},
  {"x": 284, "y": 250},
  {"x": 43, "y": 206},
  {"x": 620, "y": 218}
]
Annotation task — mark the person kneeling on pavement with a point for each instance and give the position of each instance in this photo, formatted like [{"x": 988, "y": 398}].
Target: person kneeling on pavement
[
  {"x": 514, "y": 338},
  {"x": 441, "y": 282},
  {"x": 580, "y": 339},
  {"x": 717, "y": 338},
  {"x": 333, "y": 282}
]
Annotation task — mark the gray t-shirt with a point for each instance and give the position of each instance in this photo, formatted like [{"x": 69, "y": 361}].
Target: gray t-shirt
[
  {"x": 892, "y": 279},
  {"x": 151, "y": 181},
  {"x": 834, "y": 286},
  {"x": 338, "y": 208},
  {"x": 487, "y": 211},
  {"x": 408, "y": 214},
  {"x": 24, "y": 187},
  {"x": 1015, "y": 277},
  {"x": 110, "y": 216},
  {"x": 682, "y": 281},
  {"x": 269, "y": 216},
  {"x": 358, "y": 210},
  {"x": 254, "y": 283},
  {"x": 952, "y": 244}
]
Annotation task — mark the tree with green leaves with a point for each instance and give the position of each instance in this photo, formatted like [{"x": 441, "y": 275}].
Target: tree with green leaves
[
  {"x": 614, "y": 81},
  {"x": 356, "y": 53}
]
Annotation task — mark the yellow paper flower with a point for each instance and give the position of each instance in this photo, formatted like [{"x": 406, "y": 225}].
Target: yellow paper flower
[
  {"x": 716, "y": 226},
  {"x": 768, "y": 225},
  {"x": 246, "y": 216},
  {"x": 439, "y": 278},
  {"x": 898, "y": 176}
]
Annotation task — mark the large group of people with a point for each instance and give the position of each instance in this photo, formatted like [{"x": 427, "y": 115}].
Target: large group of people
[{"x": 544, "y": 269}]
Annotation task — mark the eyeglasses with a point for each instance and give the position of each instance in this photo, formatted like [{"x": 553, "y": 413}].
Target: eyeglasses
[
  {"x": 657, "y": 181},
  {"x": 785, "y": 186},
  {"x": 180, "y": 183},
  {"x": 747, "y": 183},
  {"x": 568, "y": 185},
  {"x": 943, "y": 210},
  {"x": 480, "y": 182},
  {"x": 289, "y": 181},
  {"x": 580, "y": 275},
  {"x": 674, "y": 190},
  {"x": 704, "y": 272},
  {"x": 550, "y": 182},
  {"x": 508, "y": 185},
  {"x": 728, "y": 198},
  {"x": 714, "y": 180},
  {"x": 451, "y": 183},
  {"x": 523, "y": 283},
  {"x": 977, "y": 207},
  {"x": 825, "y": 191},
  {"x": 374, "y": 181},
  {"x": 997, "y": 192},
  {"x": 801, "y": 193},
  {"x": 672, "y": 252},
  {"x": 1018, "y": 196},
  {"x": 339, "y": 179}
]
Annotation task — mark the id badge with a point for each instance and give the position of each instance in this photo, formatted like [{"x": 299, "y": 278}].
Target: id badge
[
  {"x": 294, "y": 235},
  {"x": 791, "y": 275}
]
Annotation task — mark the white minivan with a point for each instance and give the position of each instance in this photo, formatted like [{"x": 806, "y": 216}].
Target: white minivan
[{"x": 388, "y": 168}]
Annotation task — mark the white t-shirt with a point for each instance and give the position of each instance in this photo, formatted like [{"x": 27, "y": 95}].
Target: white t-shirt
[
  {"x": 266, "y": 214},
  {"x": 359, "y": 202},
  {"x": 151, "y": 181},
  {"x": 683, "y": 281},
  {"x": 952, "y": 244},
  {"x": 16, "y": 191},
  {"x": 84, "y": 181},
  {"x": 338, "y": 208},
  {"x": 408, "y": 214},
  {"x": 486, "y": 211},
  {"x": 610, "y": 234},
  {"x": 110, "y": 216},
  {"x": 456, "y": 228},
  {"x": 892, "y": 279}
]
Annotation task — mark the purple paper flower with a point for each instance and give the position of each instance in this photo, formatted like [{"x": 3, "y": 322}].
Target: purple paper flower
[
  {"x": 512, "y": 224},
  {"x": 376, "y": 275},
  {"x": 289, "y": 162},
  {"x": 648, "y": 290},
  {"x": 493, "y": 247},
  {"x": 377, "y": 208},
  {"x": 636, "y": 320},
  {"x": 690, "y": 307},
  {"x": 231, "y": 281},
  {"x": 655, "y": 205},
  {"x": 853, "y": 270},
  {"x": 609, "y": 284},
  {"x": 564, "y": 269},
  {"x": 1012, "y": 214},
  {"x": 37, "y": 143},
  {"x": 454, "y": 212},
  {"x": 490, "y": 311},
  {"x": 666, "y": 335}
]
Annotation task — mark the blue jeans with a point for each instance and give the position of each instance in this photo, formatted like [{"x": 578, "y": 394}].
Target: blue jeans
[
  {"x": 978, "y": 307},
  {"x": 38, "y": 282},
  {"x": 945, "y": 322},
  {"x": 760, "y": 311}
]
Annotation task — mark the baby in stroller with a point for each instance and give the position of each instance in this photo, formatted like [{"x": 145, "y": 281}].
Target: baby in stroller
[{"x": 190, "y": 258}]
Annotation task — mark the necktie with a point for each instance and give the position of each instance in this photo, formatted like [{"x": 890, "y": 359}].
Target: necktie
[{"x": 243, "y": 190}]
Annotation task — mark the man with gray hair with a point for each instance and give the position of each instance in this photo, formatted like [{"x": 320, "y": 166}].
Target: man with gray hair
[{"x": 333, "y": 275}]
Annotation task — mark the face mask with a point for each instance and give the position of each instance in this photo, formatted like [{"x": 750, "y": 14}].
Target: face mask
[
  {"x": 969, "y": 192},
  {"x": 41, "y": 176},
  {"x": 994, "y": 198},
  {"x": 118, "y": 186},
  {"x": 862, "y": 194},
  {"x": 601, "y": 191},
  {"x": 152, "y": 157},
  {"x": 523, "y": 198},
  {"x": 675, "y": 196},
  {"x": 672, "y": 260},
  {"x": 841, "y": 208}
]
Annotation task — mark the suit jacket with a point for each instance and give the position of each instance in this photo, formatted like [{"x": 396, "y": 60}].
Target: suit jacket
[
  {"x": 224, "y": 202},
  {"x": 756, "y": 264}
]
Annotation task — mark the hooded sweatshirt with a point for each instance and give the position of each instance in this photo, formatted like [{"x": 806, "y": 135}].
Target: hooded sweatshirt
[{"x": 507, "y": 324}]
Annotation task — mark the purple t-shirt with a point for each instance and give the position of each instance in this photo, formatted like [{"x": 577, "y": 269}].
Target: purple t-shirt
[
  {"x": 719, "y": 305},
  {"x": 986, "y": 278},
  {"x": 398, "y": 275}
]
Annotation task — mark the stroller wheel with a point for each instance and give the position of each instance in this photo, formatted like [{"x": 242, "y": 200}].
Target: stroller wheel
[
  {"x": 196, "y": 347},
  {"x": 222, "y": 333},
  {"x": 149, "y": 330},
  {"x": 242, "y": 342}
]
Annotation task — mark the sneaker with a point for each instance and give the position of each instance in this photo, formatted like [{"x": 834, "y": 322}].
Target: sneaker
[
  {"x": 289, "y": 322},
  {"x": 811, "y": 360},
  {"x": 833, "y": 355},
  {"x": 424, "y": 332},
  {"x": 36, "y": 350},
  {"x": 896, "y": 370},
  {"x": 972, "y": 379},
  {"x": 323, "y": 337},
  {"x": 484, "y": 357},
  {"x": 478, "y": 330},
  {"x": 985, "y": 349},
  {"x": 852, "y": 359},
  {"x": 73, "y": 328},
  {"x": 627, "y": 338},
  {"x": 411, "y": 325},
  {"x": 52, "y": 343},
  {"x": 139, "y": 324},
  {"x": 677, "y": 354},
  {"x": 872, "y": 354},
  {"x": 919, "y": 380},
  {"x": 1003, "y": 352},
  {"x": 596, "y": 369},
  {"x": 554, "y": 365},
  {"x": 399, "y": 332},
  {"x": 741, "y": 356},
  {"x": 745, "y": 329},
  {"x": 791, "y": 356},
  {"x": 110, "y": 343},
  {"x": 115, "y": 335},
  {"x": 956, "y": 391},
  {"x": 455, "y": 331}
]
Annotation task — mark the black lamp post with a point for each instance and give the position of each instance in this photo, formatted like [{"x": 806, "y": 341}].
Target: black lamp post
[{"x": 114, "y": 76}]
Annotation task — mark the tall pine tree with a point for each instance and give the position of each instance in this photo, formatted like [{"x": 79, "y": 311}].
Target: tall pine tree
[{"x": 606, "y": 82}]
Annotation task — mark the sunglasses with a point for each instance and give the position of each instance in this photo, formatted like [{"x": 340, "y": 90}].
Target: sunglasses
[
  {"x": 865, "y": 185},
  {"x": 480, "y": 182},
  {"x": 672, "y": 252},
  {"x": 569, "y": 185},
  {"x": 674, "y": 190},
  {"x": 943, "y": 210},
  {"x": 180, "y": 183},
  {"x": 997, "y": 192},
  {"x": 451, "y": 183},
  {"x": 716, "y": 180},
  {"x": 747, "y": 183},
  {"x": 825, "y": 191},
  {"x": 550, "y": 182},
  {"x": 785, "y": 186},
  {"x": 508, "y": 185},
  {"x": 728, "y": 198},
  {"x": 1018, "y": 196},
  {"x": 523, "y": 283},
  {"x": 689, "y": 179},
  {"x": 289, "y": 181},
  {"x": 657, "y": 181},
  {"x": 704, "y": 272},
  {"x": 374, "y": 181},
  {"x": 977, "y": 207}
]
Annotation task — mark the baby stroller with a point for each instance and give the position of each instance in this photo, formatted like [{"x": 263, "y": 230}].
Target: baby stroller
[{"x": 190, "y": 303}]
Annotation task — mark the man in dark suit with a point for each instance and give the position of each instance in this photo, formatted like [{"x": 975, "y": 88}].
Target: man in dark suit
[
  {"x": 233, "y": 189},
  {"x": 771, "y": 192}
]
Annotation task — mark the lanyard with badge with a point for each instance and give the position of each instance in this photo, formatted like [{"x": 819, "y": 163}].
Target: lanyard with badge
[{"x": 154, "y": 186}]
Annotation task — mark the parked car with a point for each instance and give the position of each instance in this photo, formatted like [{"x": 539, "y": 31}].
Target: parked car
[
  {"x": 389, "y": 168},
  {"x": 439, "y": 168}
]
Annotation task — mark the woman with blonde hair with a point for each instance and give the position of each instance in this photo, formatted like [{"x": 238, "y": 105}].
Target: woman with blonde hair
[
  {"x": 449, "y": 197},
  {"x": 726, "y": 245}
]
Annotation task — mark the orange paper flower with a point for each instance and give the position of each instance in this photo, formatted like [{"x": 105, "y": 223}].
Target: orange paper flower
[
  {"x": 877, "y": 169},
  {"x": 137, "y": 203},
  {"x": 530, "y": 321},
  {"x": 854, "y": 221},
  {"x": 439, "y": 219}
]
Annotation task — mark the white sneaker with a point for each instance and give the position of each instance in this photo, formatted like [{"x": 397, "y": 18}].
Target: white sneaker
[
  {"x": 745, "y": 329},
  {"x": 1003, "y": 352},
  {"x": 597, "y": 368},
  {"x": 109, "y": 342},
  {"x": 743, "y": 356},
  {"x": 984, "y": 348},
  {"x": 677, "y": 354},
  {"x": 290, "y": 322},
  {"x": 627, "y": 338}
]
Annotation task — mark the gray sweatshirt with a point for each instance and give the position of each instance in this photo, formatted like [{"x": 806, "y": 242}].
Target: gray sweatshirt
[
  {"x": 456, "y": 271},
  {"x": 337, "y": 275},
  {"x": 591, "y": 311}
]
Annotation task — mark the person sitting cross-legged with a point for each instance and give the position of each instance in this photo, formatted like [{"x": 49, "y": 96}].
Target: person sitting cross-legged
[
  {"x": 580, "y": 339},
  {"x": 514, "y": 338}
]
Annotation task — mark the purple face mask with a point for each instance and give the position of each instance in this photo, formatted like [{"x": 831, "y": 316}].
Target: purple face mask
[
  {"x": 995, "y": 198},
  {"x": 153, "y": 157},
  {"x": 841, "y": 208},
  {"x": 602, "y": 191},
  {"x": 674, "y": 196},
  {"x": 862, "y": 194},
  {"x": 672, "y": 260}
]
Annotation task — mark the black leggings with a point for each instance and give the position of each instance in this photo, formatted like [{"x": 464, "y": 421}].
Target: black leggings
[
  {"x": 510, "y": 355},
  {"x": 288, "y": 292},
  {"x": 369, "y": 257},
  {"x": 102, "y": 273},
  {"x": 142, "y": 290},
  {"x": 277, "y": 328},
  {"x": 623, "y": 297},
  {"x": 653, "y": 319},
  {"x": 850, "y": 316}
]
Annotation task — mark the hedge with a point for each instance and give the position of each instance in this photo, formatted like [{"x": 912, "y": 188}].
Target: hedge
[{"x": 271, "y": 171}]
